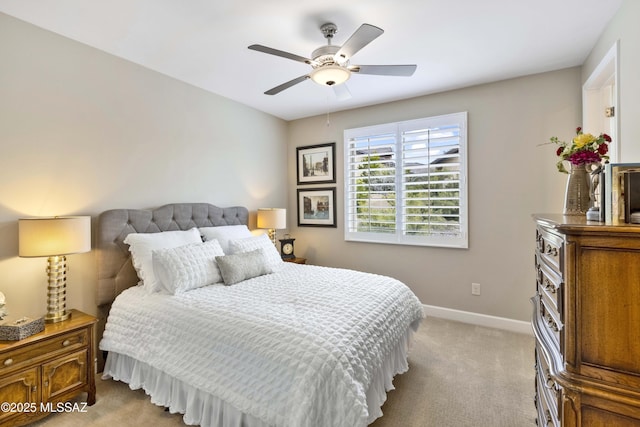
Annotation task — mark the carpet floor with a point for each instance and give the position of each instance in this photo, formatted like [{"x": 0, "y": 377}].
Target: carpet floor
[{"x": 459, "y": 375}]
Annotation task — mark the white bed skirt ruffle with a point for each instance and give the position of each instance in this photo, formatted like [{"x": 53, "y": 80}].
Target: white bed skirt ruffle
[{"x": 202, "y": 408}]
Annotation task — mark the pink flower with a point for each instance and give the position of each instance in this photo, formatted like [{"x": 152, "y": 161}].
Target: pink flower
[{"x": 584, "y": 157}]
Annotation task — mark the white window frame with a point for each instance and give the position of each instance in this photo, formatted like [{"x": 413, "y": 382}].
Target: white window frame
[{"x": 460, "y": 240}]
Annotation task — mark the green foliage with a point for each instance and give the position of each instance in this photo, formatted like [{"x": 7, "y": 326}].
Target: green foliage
[{"x": 431, "y": 197}]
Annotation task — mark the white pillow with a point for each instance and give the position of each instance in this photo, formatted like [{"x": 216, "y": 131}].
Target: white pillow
[
  {"x": 225, "y": 233},
  {"x": 141, "y": 246},
  {"x": 242, "y": 266},
  {"x": 187, "y": 267},
  {"x": 271, "y": 254}
]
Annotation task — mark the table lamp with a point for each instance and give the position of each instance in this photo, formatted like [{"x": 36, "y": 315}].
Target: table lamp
[
  {"x": 55, "y": 238},
  {"x": 272, "y": 219}
]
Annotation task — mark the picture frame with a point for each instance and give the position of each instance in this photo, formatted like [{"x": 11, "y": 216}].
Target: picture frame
[
  {"x": 316, "y": 164},
  {"x": 317, "y": 207}
]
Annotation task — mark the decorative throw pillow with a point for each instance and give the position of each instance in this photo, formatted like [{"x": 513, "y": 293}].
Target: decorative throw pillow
[
  {"x": 271, "y": 254},
  {"x": 141, "y": 246},
  {"x": 187, "y": 267},
  {"x": 225, "y": 233},
  {"x": 242, "y": 266}
]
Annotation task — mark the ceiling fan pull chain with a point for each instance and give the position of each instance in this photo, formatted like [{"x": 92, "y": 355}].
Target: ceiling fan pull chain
[{"x": 328, "y": 122}]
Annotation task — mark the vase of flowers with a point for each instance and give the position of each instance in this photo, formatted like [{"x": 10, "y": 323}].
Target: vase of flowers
[{"x": 583, "y": 153}]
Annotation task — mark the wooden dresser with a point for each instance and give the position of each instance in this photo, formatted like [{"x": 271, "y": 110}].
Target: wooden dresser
[
  {"x": 586, "y": 322},
  {"x": 45, "y": 369}
]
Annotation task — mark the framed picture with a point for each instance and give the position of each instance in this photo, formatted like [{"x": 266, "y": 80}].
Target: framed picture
[
  {"x": 317, "y": 207},
  {"x": 316, "y": 163}
]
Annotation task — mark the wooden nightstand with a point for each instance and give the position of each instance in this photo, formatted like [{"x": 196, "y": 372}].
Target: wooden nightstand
[
  {"x": 296, "y": 260},
  {"x": 52, "y": 366}
]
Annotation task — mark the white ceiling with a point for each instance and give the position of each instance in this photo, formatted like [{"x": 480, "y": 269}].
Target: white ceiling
[{"x": 455, "y": 43}]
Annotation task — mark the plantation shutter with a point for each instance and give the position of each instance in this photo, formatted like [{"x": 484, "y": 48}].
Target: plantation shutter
[
  {"x": 372, "y": 183},
  {"x": 405, "y": 182}
]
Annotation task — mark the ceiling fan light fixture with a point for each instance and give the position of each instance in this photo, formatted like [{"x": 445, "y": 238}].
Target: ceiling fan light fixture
[{"x": 330, "y": 75}]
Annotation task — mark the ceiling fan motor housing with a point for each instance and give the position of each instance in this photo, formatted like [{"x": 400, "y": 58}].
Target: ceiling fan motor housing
[
  {"x": 325, "y": 54},
  {"x": 326, "y": 70}
]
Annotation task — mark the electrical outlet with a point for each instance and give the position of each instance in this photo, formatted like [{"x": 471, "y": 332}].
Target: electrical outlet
[{"x": 475, "y": 289}]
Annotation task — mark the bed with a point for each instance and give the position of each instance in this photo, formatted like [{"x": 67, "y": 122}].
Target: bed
[{"x": 268, "y": 343}]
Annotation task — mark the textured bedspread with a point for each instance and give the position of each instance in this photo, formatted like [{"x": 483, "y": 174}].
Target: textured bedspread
[{"x": 295, "y": 348}]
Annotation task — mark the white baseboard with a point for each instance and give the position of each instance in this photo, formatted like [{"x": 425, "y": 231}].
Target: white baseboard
[{"x": 479, "y": 319}]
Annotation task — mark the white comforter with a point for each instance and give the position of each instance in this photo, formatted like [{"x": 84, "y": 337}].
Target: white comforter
[{"x": 295, "y": 348}]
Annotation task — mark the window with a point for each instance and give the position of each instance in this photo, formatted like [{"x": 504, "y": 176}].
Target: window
[{"x": 405, "y": 183}]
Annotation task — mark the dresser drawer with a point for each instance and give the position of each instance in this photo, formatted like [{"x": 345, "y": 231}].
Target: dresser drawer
[
  {"x": 549, "y": 247},
  {"x": 545, "y": 384},
  {"x": 60, "y": 344},
  {"x": 547, "y": 414},
  {"x": 550, "y": 285},
  {"x": 548, "y": 320}
]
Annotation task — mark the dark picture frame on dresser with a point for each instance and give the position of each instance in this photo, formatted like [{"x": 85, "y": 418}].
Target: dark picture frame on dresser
[{"x": 586, "y": 322}]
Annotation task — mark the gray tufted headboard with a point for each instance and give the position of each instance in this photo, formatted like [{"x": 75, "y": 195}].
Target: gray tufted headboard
[{"x": 115, "y": 269}]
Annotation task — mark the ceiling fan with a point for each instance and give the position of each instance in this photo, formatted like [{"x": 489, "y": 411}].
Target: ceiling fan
[{"x": 330, "y": 63}]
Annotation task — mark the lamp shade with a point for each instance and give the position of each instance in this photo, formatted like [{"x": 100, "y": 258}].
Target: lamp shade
[
  {"x": 43, "y": 237},
  {"x": 272, "y": 218}
]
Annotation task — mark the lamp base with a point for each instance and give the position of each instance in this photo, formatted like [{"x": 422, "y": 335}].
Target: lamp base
[
  {"x": 272, "y": 236},
  {"x": 57, "y": 290},
  {"x": 55, "y": 318}
]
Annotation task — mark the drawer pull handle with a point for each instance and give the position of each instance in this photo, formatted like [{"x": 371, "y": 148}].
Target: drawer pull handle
[
  {"x": 8, "y": 362},
  {"x": 548, "y": 417},
  {"x": 549, "y": 286},
  {"x": 552, "y": 324},
  {"x": 66, "y": 343},
  {"x": 549, "y": 382},
  {"x": 553, "y": 251},
  {"x": 34, "y": 388}
]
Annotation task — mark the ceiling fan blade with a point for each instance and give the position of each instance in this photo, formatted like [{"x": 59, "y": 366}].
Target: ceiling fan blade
[
  {"x": 384, "y": 70},
  {"x": 286, "y": 85},
  {"x": 362, "y": 37},
  {"x": 342, "y": 92},
  {"x": 281, "y": 53}
]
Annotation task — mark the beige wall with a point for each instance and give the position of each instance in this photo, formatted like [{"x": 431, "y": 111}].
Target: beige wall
[
  {"x": 82, "y": 131},
  {"x": 510, "y": 177},
  {"x": 623, "y": 27}
]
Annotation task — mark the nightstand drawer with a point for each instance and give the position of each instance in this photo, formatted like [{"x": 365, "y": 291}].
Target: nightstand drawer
[{"x": 48, "y": 348}]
